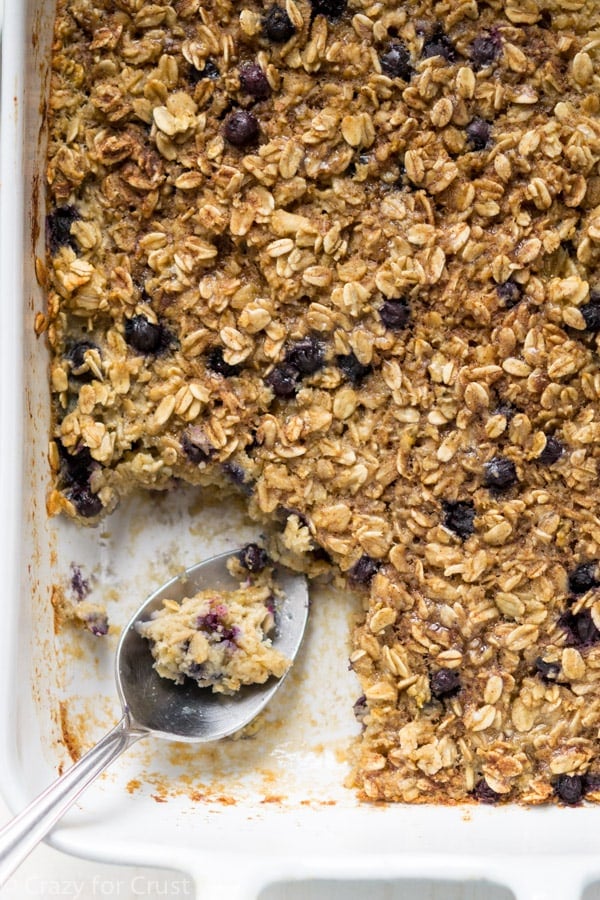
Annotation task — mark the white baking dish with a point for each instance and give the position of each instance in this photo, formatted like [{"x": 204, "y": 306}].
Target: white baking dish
[{"x": 267, "y": 808}]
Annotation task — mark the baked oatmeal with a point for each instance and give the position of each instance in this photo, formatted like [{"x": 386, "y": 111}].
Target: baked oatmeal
[
  {"x": 220, "y": 639},
  {"x": 342, "y": 255}
]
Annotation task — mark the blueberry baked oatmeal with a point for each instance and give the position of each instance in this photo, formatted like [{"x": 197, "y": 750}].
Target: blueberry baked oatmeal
[
  {"x": 343, "y": 256},
  {"x": 219, "y": 639}
]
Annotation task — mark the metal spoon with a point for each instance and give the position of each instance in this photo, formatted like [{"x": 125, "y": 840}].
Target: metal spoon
[{"x": 157, "y": 706}]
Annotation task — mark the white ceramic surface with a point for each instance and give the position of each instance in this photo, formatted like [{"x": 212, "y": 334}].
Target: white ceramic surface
[
  {"x": 49, "y": 873},
  {"x": 271, "y": 808}
]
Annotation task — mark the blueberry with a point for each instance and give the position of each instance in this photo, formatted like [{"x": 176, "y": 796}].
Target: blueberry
[
  {"x": 210, "y": 72},
  {"x": 394, "y": 314},
  {"x": 569, "y": 788},
  {"x": 333, "y": 9},
  {"x": 209, "y": 622},
  {"x": 548, "y": 671},
  {"x": 484, "y": 793},
  {"x": 241, "y": 128},
  {"x": 320, "y": 554},
  {"x": 254, "y": 81},
  {"x": 363, "y": 570},
  {"x": 236, "y": 473},
  {"x": 354, "y": 371},
  {"x": 284, "y": 512},
  {"x": 85, "y": 502},
  {"x": 230, "y": 634},
  {"x": 196, "y": 671},
  {"x": 196, "y": 447},
  {"x": 360, "y": 708},
  {"x": 284, "y": 381},
  {"x": 97, "y": 623},
  {"x": 307, "y": 356},
  {"x": 485, "y": 49},
  {"x": 76, "y": 356},
  {"x": 58, "y": 228},
  {"x": 253, "y": 558},
  {"x": 591, "y": 317},
  {"x": 510, "y": 293},
  {"x": 439, "y": 44},
  {"x": 395, "y": 61},
  {"x": 551, "y": 452},
  {"x": 499, "y": 473},
  {"x": 591, "y": 782},
  {"x": 75, "y": 468},
  {"x": 212, "y": 623},
  {"x": 585, "y": 628},
  {"x": 459, "y": 517},
  {"x": 143, "y": 335},
  {"x": 79, "y": 584},
  {"x": 580, "y": 628},
  {"x": 584, "y": 577},
  {"x": 545, "y": 19},
  {"x": 444, "y": 683},
  {"x": 478, "y": 133},
  {"x": 278, "y": 26},
  {"x": 76, "y": 353},
  {"x": 216, "y": 363},
  {"x": 506, "y": 409}
]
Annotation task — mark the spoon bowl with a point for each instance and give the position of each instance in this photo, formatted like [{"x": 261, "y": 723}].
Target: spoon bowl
[
  {"x": 157, "y": 706},
  {"x": 185, "y": 712}
]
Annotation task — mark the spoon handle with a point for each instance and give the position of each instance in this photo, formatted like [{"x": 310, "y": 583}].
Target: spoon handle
[{"x": 25, "y": 831}]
